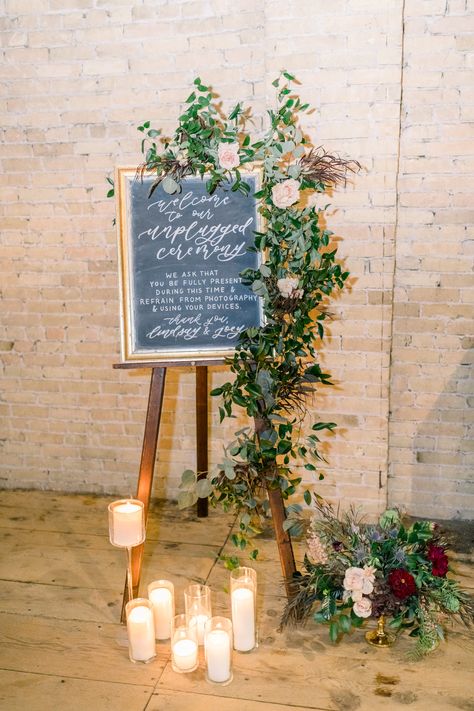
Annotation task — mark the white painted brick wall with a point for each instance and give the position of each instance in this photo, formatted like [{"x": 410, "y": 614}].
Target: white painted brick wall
[
  {"x": 78, "y": 77},
  {"x": 431, "y": 395}
]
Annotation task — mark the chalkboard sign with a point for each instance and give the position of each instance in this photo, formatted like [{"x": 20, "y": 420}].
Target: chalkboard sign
[{"x": 180, "y": 258}]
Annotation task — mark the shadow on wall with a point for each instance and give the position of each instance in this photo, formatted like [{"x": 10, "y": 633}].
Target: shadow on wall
[{"x": 436, "y": 478}]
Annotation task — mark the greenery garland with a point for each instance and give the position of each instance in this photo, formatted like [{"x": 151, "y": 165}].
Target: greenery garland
[{"x": 275, "y": 367}]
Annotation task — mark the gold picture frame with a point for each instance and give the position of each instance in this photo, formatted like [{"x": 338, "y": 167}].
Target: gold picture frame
[{"x": 180, "y": 256}]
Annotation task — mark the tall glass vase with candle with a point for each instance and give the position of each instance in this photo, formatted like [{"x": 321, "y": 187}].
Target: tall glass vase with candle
[
  {"x": 184, "y": 645},
  {"x": 218, "y": 650},
  {"x": 197, "y": 605},
  {"x": 243, "y": 595},
  {"x": 140, "y": 630},
  {"x": 127, "y": 529}
]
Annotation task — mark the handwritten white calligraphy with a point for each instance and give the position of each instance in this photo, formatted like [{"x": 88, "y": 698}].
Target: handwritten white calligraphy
[{"x": 200, "y": 236}]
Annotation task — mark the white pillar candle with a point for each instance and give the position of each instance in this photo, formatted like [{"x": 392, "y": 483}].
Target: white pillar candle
[
  {"x": 185, "y": 653},
  {"x": 163, "y": 612},
  {"x": 127, "y": 524},
  {"x": 218, "y": 656},
  {"x": 141, "y": 633},
  {"x": 243, "y": 619},
  {"x": 199, "y": 622}
]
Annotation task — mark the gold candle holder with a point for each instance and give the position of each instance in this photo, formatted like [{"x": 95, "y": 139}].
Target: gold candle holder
[{"x": 379, "y": 637}]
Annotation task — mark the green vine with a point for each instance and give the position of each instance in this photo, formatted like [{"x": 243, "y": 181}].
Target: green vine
[{"x": 275, "y": 367}]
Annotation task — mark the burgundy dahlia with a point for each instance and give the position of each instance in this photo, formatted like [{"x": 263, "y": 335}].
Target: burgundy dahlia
[
  {"x": 439, "y": 560},
  {"x": 402, "y": 583}
]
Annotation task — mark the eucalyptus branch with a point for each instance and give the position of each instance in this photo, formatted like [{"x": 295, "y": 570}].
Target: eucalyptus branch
[{"x": 275, "y": 367}]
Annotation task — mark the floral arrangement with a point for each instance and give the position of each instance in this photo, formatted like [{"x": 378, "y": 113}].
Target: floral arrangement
[
  {"x": 274, "y": 367},
  {"x": 356, "y": 571}
]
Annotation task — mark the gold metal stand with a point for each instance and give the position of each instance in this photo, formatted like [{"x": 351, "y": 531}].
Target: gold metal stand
[{"x": 379, "y": 637}]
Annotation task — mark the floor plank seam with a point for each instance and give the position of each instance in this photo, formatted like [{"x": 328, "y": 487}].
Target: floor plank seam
[
  {"x": 79, "y": 678},
  {"x": 248, "y": 698}
]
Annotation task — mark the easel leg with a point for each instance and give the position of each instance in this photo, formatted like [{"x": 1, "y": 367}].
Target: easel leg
[
  {"x": 147, "y": 467},
  {"x": 202, "y": 438},
  {"x": 285, "y": 549}
]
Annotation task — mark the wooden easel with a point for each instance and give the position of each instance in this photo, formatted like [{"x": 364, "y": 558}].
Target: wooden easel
[{"x": 147, "y": 465}]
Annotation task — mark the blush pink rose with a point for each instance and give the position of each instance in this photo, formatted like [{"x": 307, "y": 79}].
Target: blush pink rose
[
  {"x": 286, "y": 193},
  {"x": 228, "y": 155},
  {"x": 354, "y": 579},
  {"x": 359, "y": 579},
  {"x": 363, "y": 607}
]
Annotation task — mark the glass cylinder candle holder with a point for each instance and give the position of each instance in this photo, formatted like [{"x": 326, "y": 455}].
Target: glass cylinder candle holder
[
  {"x": 161, "y": 595},
  {"x": 140, "y": 630},
  {"x": 184, "y": 645},
  {"x": 243, "y": 595},
  {"x": 126, "y": 523},
  {"x": 197, "y": 604},
  {"x": 218, "y": 650}
]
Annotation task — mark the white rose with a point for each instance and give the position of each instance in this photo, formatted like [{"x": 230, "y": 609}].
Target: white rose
[
  {"x": 363, "y": 607},
  {"x": 354, "y": 579},
  {"x": 288, "y": 288},
  {"x": 286, "y": 193},
  {"x": 228, "y": 155}
]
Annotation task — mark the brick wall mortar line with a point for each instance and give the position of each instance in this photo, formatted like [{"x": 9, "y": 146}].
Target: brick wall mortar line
[{"x": 394, "y": 258}]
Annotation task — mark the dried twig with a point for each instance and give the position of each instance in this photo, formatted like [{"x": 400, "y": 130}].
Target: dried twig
[{"x": 319, "y": 165}]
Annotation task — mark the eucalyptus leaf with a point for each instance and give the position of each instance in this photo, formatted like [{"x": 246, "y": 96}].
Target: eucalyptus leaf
[
  {"x": 245, "y": 519},
  {"x": 287, "y": 146},
  {"x": 186, "y": 499},
  {"x": 188, "y": 478},
  {"x": 294, "y": 171},
  {"x": 203, "y": 488},
  {"x": 229, "y": 470}
]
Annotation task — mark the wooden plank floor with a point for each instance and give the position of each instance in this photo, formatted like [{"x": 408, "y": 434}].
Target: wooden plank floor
[{"x": 63, "y": 648}]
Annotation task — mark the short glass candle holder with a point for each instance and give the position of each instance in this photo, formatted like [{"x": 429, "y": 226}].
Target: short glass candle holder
[
  {"x": 161, "y": 595},
  {"x": 126, "y": 523},
  {"x": 184, "y": 645},
  {"x": 243, "y": 596},
  {"x": 218, "y": 650},
  {"x": 197, "y": 605},
  {"x": 140, "y": 630}
]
